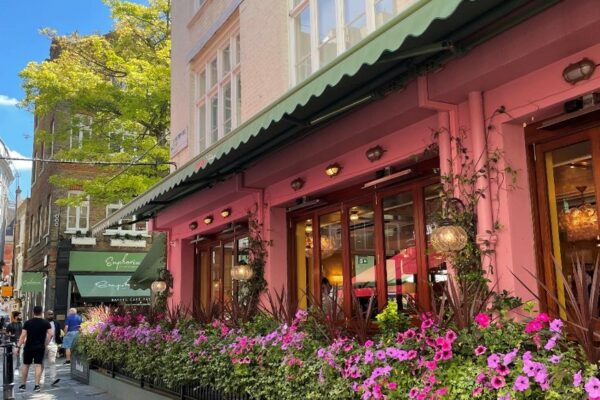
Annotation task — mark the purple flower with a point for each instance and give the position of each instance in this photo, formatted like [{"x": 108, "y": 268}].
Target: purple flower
[
  {"x": 555, "y": 359},
  {"x": 498, "y": 382},
  {"x": 502, "y": 370},
  {"x": 577, "y": 378},
  {"x": 479, "y": 350},
  {"x": 556, "y": 326},
  {"x": 380, "y": 354},
  {"x": 510, "y": 357},
  {"x": 551, "y": 343},
  {"x": 493, "y": 360},
  {"x": 521, "y": 384},
  {"x": 368, "y": 357},
  {"x": 592, "y": 387}
]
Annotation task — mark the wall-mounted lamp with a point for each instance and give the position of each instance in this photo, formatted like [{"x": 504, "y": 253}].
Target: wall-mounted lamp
[
  {"x": 374, "y": 153},
  {"x": 226, "y": 212},
  {"x": 208, "y": 219},
  {"x": 579, "y": 71},
  {"x": 308, "y": 228},
  {"x": 297, "y": 184},
  {"x": 193, "y": 225},
  {"x": 354, "y": 215},
  {"x": 333, "y": 170},
  {"x": 241, "y": 272}
]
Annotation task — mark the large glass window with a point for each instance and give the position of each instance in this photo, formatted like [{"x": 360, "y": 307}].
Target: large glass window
[
  {"x": 330, "y": 250},
  {"x": 362, "y": 254},
  {"x": 303, "y": 238},
  {"x": 323, "y": 29},
  {"x": 218, "y": 94},
  {"x": 78, "y": 217}
]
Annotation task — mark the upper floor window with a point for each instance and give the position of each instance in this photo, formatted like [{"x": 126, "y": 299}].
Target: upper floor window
[
  {"x": 218, "y": 93},
  {"x": 126, "y": 225},
  {"x": 323, "y": 29},
  {"x": 78, "y": 217},
  {"x": 52, "y": 128},
  {"x": 48, "y": 214},
  {"x": 80, "y": 131}
]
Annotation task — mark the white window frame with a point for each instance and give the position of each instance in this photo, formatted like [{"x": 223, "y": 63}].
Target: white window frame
[
  {"x": 120, "y": 229},
  {"x": 218, "y": 89},
  {"x": 84, "y": 125},
  {"x": 52, "y": 127},
  {"x": 40, "y": 222},
  {"x": 77, "y": 211},
  {"x": 48, "y": 215},
  {"x": 314, "y": 31}
]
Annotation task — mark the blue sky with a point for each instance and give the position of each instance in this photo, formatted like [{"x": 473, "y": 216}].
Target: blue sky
[{"x": 21, "y": 42}]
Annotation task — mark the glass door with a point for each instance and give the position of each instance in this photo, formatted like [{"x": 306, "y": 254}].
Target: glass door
[{"x": 567, "y": 174}]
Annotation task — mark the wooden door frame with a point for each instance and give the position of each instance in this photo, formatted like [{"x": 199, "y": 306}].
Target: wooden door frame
[{"x": 550, "y": 141}]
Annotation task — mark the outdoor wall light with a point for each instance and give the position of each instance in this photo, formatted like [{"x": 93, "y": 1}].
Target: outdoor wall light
[
  {"x": 448, "y": 237},
  {"x": 333, "y": 170},
  {"x": 158, "y": 286},
  {"x": 297, "y": 184},
  {"x": 193, "y": 225},
  {"x": 226, "y": 212},
  {"x": 208, "y": 219},
  {"x": 579, "y": 71},
  {"x": 354, "y": 215},
  {"x": 241, "y": 272},
  {"x": 308, "y": 228},
  {"x": 374, "y": 153}
]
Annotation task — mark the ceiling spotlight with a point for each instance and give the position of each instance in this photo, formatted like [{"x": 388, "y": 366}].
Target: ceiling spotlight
[
  {"x": 333, "y": 170},
  {"x": 374, "y": 153},
  {"x": 297, "y": 184},
  {"x": 226, "y": 212},
  {"x": 193, "y": 225},
  {"x": 208, "y": 219}
]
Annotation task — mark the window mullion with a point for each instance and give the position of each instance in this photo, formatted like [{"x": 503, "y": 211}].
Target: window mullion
[
  {"x": 370, "y": 10},
  {"x": 339, "y": 29},
  {"x": 314, "y": 36}
]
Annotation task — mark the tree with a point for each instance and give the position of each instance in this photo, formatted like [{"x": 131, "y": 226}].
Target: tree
[{"x": 112, "y": 95}]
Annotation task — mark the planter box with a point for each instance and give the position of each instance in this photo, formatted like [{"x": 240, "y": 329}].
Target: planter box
[
  {"x": 80, "y": 369},
  {"x": 141, "y": 243},
  {"x": 83, "y": 241}
]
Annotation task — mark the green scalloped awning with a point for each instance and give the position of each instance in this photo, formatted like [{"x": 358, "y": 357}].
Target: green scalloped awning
[
  {"x": 107, "y": 287},
  {"x": 413, "y": 35},
  {"x": 149, "y": 269}
]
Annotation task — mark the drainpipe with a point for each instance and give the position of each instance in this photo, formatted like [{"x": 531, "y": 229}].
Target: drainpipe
[
  {"x": 448, "y": 119},
  {"x": 485, "y": 220},
  {"x": 241, "y": 187}
]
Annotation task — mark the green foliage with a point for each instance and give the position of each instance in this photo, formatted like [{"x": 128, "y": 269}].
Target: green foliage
[
  {"x": 390, "y": 321},
  {"x": 117, "y": 85}
]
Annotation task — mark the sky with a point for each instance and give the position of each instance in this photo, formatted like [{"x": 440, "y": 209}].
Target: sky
[{"x": 21, "y": 43}]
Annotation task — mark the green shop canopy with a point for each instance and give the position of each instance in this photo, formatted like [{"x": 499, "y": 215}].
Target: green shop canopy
[
  {"x": 149, "y": 269},
  {"x": 107, "y": 287},
  {"x": 426, "y": 35},
  {"x": 104, "y": 261},
  {"x": 32, "y": 282}
]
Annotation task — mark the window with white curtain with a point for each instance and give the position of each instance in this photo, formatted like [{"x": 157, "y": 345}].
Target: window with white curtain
[
  {"x": 218, "y": 93},
  {"x": 78, "y": 217},
  {"x": 126, "y": 225},
  {"x": 323, "y": 29}
]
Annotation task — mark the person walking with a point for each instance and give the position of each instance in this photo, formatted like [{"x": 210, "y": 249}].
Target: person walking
[
  {"x": 34, "y": 338},
  {"x": 51, "y": 350},
  {"x": 14, "y": 330},
  {"x": 72, "y": 326}
]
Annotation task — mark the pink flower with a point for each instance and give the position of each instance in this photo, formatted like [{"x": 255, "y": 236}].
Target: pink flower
[
  {"x": 441, "y": 391},
  {"x": 368, "y": 343},
  {"x": 392, "y": 385},
  {"x": 483, "y": 320},
  {"x": 477, "y": 391},
  {"x": 592, "y": 387},
  {"x": 493, "y": 361},
  {"x": 521, "y": 384},
  {"x": 533, "y": 326},
  {"x": 479, "y": 350},
  {"x": 555, "y": 359},
  {"x": 556, "y": 326},
  {"x": 551, "y": 343},
  {"x": 543, "y": 317},
  {"x": 577, "y": 378},
  {"x": 502, "y": 370},
  {"x": 414, "y": 392},
  {"x": 498, "y": 382},
  {"x": 451, "y": 336}
]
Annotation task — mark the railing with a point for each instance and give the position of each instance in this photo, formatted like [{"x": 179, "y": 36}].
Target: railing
[{"x": 182, "y": 392}]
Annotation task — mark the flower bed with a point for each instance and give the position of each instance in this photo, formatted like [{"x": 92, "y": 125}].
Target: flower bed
[{"x": 504, "y": 359}]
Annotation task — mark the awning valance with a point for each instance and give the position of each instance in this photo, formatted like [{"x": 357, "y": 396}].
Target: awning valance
[
  {"x": 149, "y": 269},
  {"x": 107, "y": 287},
  {"x": 427, "y": 33},
  {"x": 32, "y": 282}
]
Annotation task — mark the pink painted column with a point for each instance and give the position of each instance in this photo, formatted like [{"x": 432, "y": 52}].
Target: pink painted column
[{"x": 485, "y": 220}]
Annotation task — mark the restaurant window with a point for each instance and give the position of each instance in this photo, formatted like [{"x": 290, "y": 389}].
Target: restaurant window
[
  {"x": 78, "y": 216},
  {"x": 369, "y": 250},
  {"x": 215, "y": 258},
  {"x": 218, "y": 94},
  {"x": 323, "y": 29}
]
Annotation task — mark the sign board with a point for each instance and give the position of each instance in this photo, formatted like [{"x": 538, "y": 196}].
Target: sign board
[
  {"x": 104, "y": 261},
  {"x": 80, "y": 369},
  {"x": 179, "y": 142},
  {"x": 7, "y": 291},
  {"x": 32, "y": 282},
  {"x": 109, "y": 287}
]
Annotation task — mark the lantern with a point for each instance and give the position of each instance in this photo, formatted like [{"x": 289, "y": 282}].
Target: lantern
[
  {"x": 449, "y": 237},
  {"x": 158, "y": 286},
  {"x": 241, "y": 272}
]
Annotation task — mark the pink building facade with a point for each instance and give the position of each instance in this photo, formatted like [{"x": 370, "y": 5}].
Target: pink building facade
[{"x": 373, "y": 239}]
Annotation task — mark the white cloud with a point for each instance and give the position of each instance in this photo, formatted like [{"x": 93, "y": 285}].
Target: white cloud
[
  {"x": 8, "y": 101},
  {"x": 19, "y": 165}
]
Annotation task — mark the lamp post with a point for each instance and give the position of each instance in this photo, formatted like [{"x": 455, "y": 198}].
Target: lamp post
[{"x": 448, "y": 237}]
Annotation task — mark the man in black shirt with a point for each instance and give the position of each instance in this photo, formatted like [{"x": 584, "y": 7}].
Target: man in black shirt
[
  {"x": 14, "y": 329},
  {"x": 36, "y": 335}
]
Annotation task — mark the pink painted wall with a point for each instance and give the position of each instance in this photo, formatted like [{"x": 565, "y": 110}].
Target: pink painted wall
[{"x": 525, "y": 79}]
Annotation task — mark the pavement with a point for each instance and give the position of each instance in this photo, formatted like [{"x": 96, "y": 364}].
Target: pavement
[{"x": 67, "y": 388}]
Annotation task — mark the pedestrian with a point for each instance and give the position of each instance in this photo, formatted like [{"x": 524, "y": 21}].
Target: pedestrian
[
  {"x": 52, "y": 349},
  {"x": 34, "y": 338},
  {"x": 72, "y": 325},
  {"x": 14, "y": 330}
]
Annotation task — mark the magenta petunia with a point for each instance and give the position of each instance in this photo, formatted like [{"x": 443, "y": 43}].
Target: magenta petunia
[
  {"x": 479, "y": 350},
  {"x": 482, "y": 320},
  {"x": 498, "y": 382},
  {"x": 592, "y": 387},
  {"x": 521, "y": 384},
  {"x": 493, "y": 360}
]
